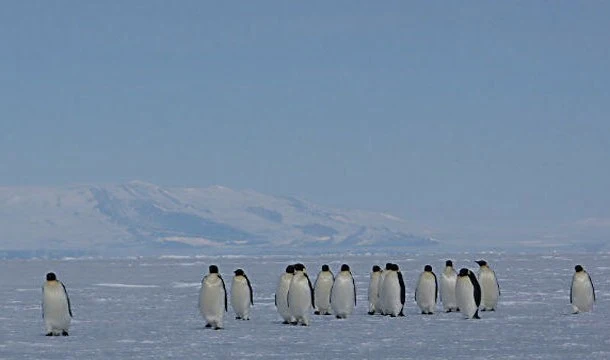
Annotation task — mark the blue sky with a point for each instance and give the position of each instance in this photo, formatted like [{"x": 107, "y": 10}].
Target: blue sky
[{"x": 477, "y": 121}]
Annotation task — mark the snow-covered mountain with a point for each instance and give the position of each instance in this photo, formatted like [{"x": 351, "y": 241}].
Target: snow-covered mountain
[{"x": 142, "y": 216}]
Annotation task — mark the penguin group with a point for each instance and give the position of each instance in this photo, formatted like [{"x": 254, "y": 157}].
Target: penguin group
[{"x": 296, "y": 297}]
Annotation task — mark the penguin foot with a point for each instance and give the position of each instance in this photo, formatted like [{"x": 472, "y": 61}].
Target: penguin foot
[
  {"x": 476, "y": 315},
  {"x": 371, "y": 313},
  {"x": 303, "y": 324},
  {"x": 401, "y": 314},
  {"x": 238, "y": 318},
  {"x": 424, "y": 313},
  {"x": 64, "y": 333},
  {"x": 327, "y": 313},
  {"x": 208, "y": 325},
  {"x": 338, "y": 317},
  {"x": 285, "y": 322},
  {"x": 429, "y": 313},
  {"x": 448, "y": 311},
  {"x": 392, "y": 315},
  {"x": 457, "y": 309},
  {"x": 217, "y": 328},
  {"x": 492, "y": 310},
  {"x": 49, "y": 334},
  {"x": 294, "y": 323},
  {"x": 317, "y": 312}
]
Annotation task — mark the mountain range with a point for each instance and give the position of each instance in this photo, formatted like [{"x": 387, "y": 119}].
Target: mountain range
[{"x": 139, "y": 217}]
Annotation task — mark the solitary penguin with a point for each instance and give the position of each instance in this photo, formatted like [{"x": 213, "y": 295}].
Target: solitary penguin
[
  {"x": 373, "y": 294},
  {"x": 323, "y": 285},
  {"x": 394, "y": 292},
  {"x": 213, "y": 298},
  {"x": 343, "y": 294},
  {"x": 300, "y": 296},
  {"x": 468, "y": 294},
  {"x": 490, "y": 290},
  {"x": 56, "y": 309},
  {"x": 241, "y": 295},
  {"x": 582, "y": 292},
  {"x": 448, "y": 280},
  {"x": 281, "y": 294},
  {"x": 426, "y": 291}
]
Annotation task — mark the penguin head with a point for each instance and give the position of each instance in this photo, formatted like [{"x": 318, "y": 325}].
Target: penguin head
[
  {"x": 344, "y": 267},
  {"x": 578, "y": 268},
  {"x": 299, "y": 267},
  {"x": 213, "y": 269},
  {"x": 449, "y": 263},
  {"x": 388, "y": 266},
  {"x": 395, "y": 267},
  {"x": 376, "y": 268},
  {"x": 463, "y": 272},
  {"x": 428, "y": 268},
  {"x": 325, "y": 268},
  {"x": 51, "y": 277},
  {"x": 481, "y": 262},
  {"x": 239, "y": 272},
  {"x": 290, "y": 269}
]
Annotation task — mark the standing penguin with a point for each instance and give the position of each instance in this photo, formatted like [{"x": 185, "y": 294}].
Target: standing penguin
[
  {"x": 213, "y": 298},
  {"x": 241, "y": 295},
  {"x": 381, "y": 291},
  {"x": 56, "y": 309},
  {"x": 490, "y": 290},
  {"x": 393, "y": 292},
  {"x": 468, "y": 294},
  {"x": 322, "y": 286},
  {"x": 426, "y": 291},
  {"x": 373, "y": 294},
  {"x": 300, "y": 296},
  {"x": 582, "y": 292},
  {"x": 281, "y": 294},
  {"x": 343, "y": 294},
  {"x": 448, "y": 280}
]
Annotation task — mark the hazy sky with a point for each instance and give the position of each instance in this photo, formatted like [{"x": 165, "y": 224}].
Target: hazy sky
[{"x": 476, "y": 120}]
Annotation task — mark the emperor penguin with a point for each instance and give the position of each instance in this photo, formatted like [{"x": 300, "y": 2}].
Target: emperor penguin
[
  {"x": 281, "y": 294},
  {"x": 373, "y": 294},
  {"x": 300, "y": 296},
  {"x": 582, "y": 292},
  {"x": 490, "y": 290},
  {"x": 56, "y": 309},
  {"x": 213, "y": 298},
  {"x": 448, "y": 280},
  {"x": 426, "y": 291},
  {"x": 393, "y": 292},
  {"x": 380, "y": 291},
  {"x": 468, "y": 294},
  {"x": 322, "y": 286},
  {"x": 241, "y": 295},
  {"x": 343, "y": 293}
]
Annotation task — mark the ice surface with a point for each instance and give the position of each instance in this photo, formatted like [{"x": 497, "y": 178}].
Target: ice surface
[{"x": 146, "y": 308}]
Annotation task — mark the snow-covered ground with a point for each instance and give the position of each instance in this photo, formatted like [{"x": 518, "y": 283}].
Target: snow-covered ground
[{"x": 147, "y": 308}]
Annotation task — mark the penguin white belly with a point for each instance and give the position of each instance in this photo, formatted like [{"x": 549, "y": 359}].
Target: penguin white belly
[
  {"x": 322, "y": 289},
  {"x": 373, "y": 294},
  {"x": 342, "y": 296},
  {"x": 55, "y": 309},
  {"x": 448, "y": 291},
  {"x": 464, "y": 294},
  {"x": 281, "y": 297},
  {"x": 299, "y": 299},
  {"x": 426, "y": 293},
  {"x": 582, "y": 293},
  {"x": 240, "y": 298},
  {"x": 212, "y": 302},
  {"x": 391, "y": 295},
  {"x": 380, "y": 304},
  {"x": 489, "y": 290}
]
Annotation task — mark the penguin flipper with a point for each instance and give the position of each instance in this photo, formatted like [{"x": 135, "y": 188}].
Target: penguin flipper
[
  {"x": 67, "y": 298},
  {"x": 251, "y": 293},
  {"x": 402, "y": 288},
  {"x": 310, "y": 290},
  {"x": 225, "y": 291}
]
